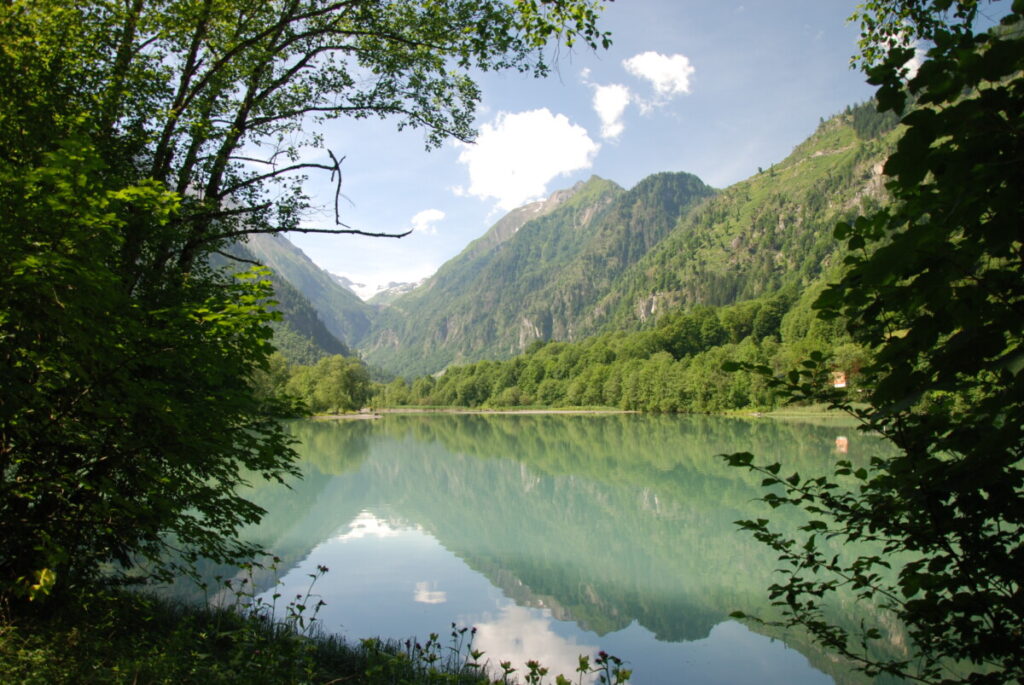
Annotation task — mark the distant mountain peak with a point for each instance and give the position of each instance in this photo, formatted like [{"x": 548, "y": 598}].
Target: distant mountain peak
[
  {"x": 375, "y": 293},
  {"x": 386, "y": 293},
  {"x": 346, "y": 282},
  {"x": 509, "y": 225}
]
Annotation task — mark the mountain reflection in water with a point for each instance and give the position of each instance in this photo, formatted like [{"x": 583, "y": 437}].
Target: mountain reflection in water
[{"x": 553, "y": 535}]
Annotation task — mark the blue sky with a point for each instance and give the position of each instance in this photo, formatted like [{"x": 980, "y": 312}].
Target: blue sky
[{"x": 710, "y": 87}]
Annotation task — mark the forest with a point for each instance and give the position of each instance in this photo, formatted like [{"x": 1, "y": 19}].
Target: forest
[{"x": 675, "y": 366}]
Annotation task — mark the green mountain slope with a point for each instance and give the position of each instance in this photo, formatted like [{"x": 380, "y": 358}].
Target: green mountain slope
[
  {"x": 531, "y": 276},
  {"x": 346, "y": 316},
  {"x": 769, "y": 233},
  {"x": 596, "y": 258},
  {"x": 300, "y": 335}
]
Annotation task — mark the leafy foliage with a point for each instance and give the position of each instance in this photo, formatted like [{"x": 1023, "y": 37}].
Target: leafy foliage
[
  {"x": 127, "y": 131},
  {"x": 934, "y": 287},
  {"x": 333, "y": 384},
  {"x": 105, "y": 449}
]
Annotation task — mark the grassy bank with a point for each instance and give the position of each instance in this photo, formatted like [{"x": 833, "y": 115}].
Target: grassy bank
[{"x": 124, "y": 637}]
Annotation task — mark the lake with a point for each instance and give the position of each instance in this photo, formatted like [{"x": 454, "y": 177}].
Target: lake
[{"x": 554, "y": 536}]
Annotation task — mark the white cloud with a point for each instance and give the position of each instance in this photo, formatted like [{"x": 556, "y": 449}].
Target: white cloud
[
  {"x": 367, "y": 525},
  {"x": 515, "y": 158},
  {"x": 914, "y": 63},
  {"x": 669, "y": 74},
  {"x": 520, "y": 634},
  {"x": 610, "y": 103},
  {"x": 424, "y": 222},
  {"x": 425, "y": 594}
]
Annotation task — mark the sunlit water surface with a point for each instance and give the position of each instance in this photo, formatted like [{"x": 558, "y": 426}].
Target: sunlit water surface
[{"x": 554, "y": 536}]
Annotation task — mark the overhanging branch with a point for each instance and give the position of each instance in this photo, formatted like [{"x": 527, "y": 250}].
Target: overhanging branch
[
  {"x": 329, "y": 231},
  {"x": 239, "y": 259}
]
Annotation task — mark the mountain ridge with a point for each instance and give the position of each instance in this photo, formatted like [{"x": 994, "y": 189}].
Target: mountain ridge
[
  {"x": 761, "y": 235},
  {"x": 512, "y": 287},
  {"x": 344, "y": 314},
  {"x": 596, "y": 258}
]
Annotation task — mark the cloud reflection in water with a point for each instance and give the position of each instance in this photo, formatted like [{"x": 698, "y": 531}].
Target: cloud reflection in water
[
  {"x": 425, "y": 595},
  {"x": 367, "y": 525},
  {"x": 519, "y": 634}
]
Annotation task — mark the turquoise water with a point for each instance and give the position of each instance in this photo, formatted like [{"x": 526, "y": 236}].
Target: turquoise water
[{"x": 553, "y": 535}]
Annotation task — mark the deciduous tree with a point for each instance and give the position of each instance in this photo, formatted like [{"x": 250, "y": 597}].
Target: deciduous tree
[
  {"x": 935, "y": 287},
  {"x": 138, "y": 138}
]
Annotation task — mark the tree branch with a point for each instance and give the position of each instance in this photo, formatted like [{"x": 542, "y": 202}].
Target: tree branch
[
  {"x": 222, "y": 213},
  {"x": 337, "y": 187},
  {"x": 229, "y": 190},
  {"x": 239, "y": 259},
  {"x": 274, "y": 231}
]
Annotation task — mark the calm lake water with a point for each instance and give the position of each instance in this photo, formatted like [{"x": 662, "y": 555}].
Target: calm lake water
[{"x": 553, "y": 535}]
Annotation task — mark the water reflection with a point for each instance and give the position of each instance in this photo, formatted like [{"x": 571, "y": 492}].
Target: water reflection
[
  {"x": 553, "y": 535},
  {"x": 427, "y": 593},
  {"x": 518, "y": 635},
  {"x": 366, "y": 524}
]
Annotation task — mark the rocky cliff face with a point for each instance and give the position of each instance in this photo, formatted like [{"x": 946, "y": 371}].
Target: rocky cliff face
[
  {"x": 531, "y": 276},
  {"x": 596, "y": 258},
  {"x": 346, "y": 316}
]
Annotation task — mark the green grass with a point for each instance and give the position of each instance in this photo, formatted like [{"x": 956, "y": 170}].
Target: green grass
[
  {"x": 820, "y": 409},
  {"x": 118, "y": 637},
  {"x": 125, "y": 637}
]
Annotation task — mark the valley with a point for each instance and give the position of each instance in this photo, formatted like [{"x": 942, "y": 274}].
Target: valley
[{"x": 596, "y": 262}]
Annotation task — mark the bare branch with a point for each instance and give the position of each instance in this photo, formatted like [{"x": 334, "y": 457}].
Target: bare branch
[
  {"x": 337, "y": 186},
  {"x": 252, "y": 180},
  {"x": 239, "y": 259},
  {"x": 256, "y": 160},
  {"x": 222, "y": 213},
  {"x": 274, "y": 231}
]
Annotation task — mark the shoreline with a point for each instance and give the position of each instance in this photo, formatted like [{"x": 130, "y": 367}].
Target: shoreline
[
  {"x": 380, "y": 413},
  {"x": 778, "y": 414}
]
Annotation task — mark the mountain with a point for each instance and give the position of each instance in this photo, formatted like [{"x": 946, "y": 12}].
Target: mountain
[
  {"x": 386, "y": 294},
  {"x": 300, "y": 335},
  {"x": 531, "y": 276},
  {"x": 347, "y": 283},
  {"x": 596, "y": 258},
  {"x": 769, "y": 233},
  {"x": 606, "y": 260},
  {"x": 345, "y": 315}
]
